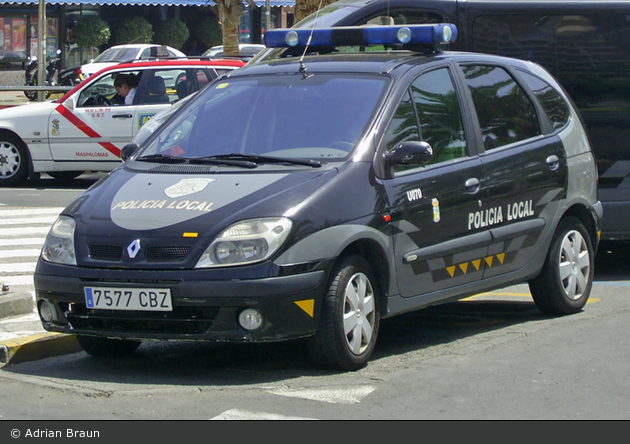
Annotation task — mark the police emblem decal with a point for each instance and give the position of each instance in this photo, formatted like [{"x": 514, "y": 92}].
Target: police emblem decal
[
  {"x": 187, "y": 186},
  {"x": 133, "y": 249}
]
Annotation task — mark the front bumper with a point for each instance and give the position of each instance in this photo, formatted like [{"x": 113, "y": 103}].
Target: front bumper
[{"x": 202, "y": 309}]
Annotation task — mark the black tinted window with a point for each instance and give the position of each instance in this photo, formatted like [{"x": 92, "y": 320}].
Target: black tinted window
[
  {"x": 430, "y": 112},
  {"x": 555, "y": 107},
  {"x": 505, "y": 113}
]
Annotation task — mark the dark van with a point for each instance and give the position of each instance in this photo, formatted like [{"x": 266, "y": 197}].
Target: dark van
[{"x": 583, "y": 43}]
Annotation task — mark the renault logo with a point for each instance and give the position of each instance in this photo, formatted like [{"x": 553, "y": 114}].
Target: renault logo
[{"x": 134, "y": 248}]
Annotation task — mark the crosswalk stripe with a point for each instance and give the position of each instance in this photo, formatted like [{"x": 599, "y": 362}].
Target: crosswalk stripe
[
  {"x": 47, "y": 220},
  {"x": 22, "y": 234},
  {"x": 240, "y": 415},
  {"x": 14, "y": 281},
  {"x": 24, "y": 231},
  {"x": 30, "y": 211},
  {"x": 23, "y": 241},
  {"x": 19, "y": 253}
]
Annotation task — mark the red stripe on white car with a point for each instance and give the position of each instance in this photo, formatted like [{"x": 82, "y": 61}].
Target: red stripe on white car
[{"x": 87, "y": 129}]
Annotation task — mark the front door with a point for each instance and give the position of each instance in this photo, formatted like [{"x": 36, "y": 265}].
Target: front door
[{"x": 434, "y": 207}]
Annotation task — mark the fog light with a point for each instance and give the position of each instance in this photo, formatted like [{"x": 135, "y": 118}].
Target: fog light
[
  {"x": 47, "y": 311},
  {"x": 250, "y": 319}
]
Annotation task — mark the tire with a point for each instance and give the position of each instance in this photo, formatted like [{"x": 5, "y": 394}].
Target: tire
[
  {"x": 350, "y": 318},
  {"x": 64, "y": 175},
  {"x": 107, "y": 348},
  {"x": 564, "y": 284},
  {"x": 13, "y": 160}
]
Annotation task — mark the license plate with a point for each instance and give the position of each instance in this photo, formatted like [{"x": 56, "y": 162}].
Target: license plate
[{"x": 144, "y": 299}]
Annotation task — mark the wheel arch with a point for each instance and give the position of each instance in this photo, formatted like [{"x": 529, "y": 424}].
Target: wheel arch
[
  {"x": 378, "y": 260},
  {"x": 585, "y": 215}
]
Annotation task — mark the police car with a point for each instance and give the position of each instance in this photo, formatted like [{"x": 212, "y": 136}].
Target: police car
[
  {"x": 315, "y": 194},
  {"x": 86, "y": 129}
]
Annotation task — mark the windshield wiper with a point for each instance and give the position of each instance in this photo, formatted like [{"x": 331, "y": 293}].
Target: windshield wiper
[
  {"x": 165, "y": 158},
  {"x": 220, "y": 161},
  {"x": 265, "y": 159}
]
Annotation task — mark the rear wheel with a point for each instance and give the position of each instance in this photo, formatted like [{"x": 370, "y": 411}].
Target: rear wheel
[
  {"x": 13, "y": 160},
  {"x": 564, "y": 284},
  {"x": 350, "y": 318},
  {"x": 107, "y": 348}
]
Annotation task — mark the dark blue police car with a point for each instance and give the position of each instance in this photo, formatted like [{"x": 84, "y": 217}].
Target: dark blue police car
[{"x": 359, "y": 174}]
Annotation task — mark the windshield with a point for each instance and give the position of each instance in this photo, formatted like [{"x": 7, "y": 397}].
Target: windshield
[
  {"x": 117, "y": 55},
  {"x": 320, "y": 117}
]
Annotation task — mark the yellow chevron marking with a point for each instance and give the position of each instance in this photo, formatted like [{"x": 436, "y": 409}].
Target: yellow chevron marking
[
  {"x": 477, "y": 264},
  {"x": 307, "y": 305},
  {"x": 501, "y": 257},
  {"x": 464, "y": 267},
  {"x": 489, "y": 261},
  {"x": 451, "y": 270}
]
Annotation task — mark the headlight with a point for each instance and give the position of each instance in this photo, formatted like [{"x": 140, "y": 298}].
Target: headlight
[
  {"x": 59, "y": 244},
  {"x": 246, "y": 242}
]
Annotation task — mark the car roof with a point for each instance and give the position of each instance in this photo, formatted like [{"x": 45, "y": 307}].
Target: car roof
[{"x": 365, "y": 62}]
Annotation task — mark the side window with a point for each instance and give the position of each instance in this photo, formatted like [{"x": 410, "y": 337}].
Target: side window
[
  {"x": 439, "y": 114},
  {"x": 505, "y": 113},
  {"x": 103, "y": 92},
  {"x": 162, "y": 87},
  {"x": 430, "y": 112},
  {"x": 554, "y": 105}
]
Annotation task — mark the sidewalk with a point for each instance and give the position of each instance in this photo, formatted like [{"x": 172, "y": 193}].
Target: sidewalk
[
  {"x": 22, "y": 337},
  {"x": 13, "y": 98}
]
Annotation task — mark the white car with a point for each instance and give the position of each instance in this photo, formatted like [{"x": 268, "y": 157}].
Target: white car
[
  {"x": 125, "y": 53},
  {"x": 86, "y": 129},
  {"x": 248, "y": 50}
]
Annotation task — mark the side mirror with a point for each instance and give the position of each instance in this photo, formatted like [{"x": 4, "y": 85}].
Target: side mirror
[
  {"x": 70, "y": 103},
  {"x": 128, "y": 151},
  {"x": 409, "y": 153}
]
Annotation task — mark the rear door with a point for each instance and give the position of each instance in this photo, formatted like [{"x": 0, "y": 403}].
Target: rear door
[{"x": 525, "y": 164}]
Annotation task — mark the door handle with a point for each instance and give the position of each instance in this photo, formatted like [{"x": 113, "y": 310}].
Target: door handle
[
  {"x": 122, "y": 116},
  {"x": 553, "y": 162},
  {"x": 472, "y": 185}
]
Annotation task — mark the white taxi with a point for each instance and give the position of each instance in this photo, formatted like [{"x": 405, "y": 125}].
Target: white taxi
[{"x": 86, "y": 129}]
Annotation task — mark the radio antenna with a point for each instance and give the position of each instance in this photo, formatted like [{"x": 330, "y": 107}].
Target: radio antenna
[{"x": 310, "y": 37}]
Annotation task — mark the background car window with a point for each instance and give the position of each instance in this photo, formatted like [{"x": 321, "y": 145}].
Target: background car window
[
  {"x": 554, "y": 105},
  {"x": 505, "y": 113},
  {"x": 430, "y": 112}
]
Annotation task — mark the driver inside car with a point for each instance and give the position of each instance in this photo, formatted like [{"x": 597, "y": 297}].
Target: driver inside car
[{"x": 125, "y": 85}]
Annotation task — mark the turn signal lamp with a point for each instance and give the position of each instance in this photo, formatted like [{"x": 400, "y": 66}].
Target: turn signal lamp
[{"x": 433, "y": 34}]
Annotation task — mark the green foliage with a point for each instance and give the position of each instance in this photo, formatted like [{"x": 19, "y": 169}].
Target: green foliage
[
  {"x": 210, "y": 32},
  {"x": 172, "y": 32},
  {"x": 91, "y": 31},
  {"x": 134, "y": 30}
]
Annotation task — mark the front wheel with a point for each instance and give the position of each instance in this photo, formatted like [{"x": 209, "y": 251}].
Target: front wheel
[
  {"x": 107, "y": 348},
  {"x": 564, "y": 284},
  {"x": 13, "y": 160},
  {"x": 350, "y": 318}
]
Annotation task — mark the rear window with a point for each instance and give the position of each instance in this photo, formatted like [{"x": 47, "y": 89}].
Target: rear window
[{"x": 554, "y": 105}]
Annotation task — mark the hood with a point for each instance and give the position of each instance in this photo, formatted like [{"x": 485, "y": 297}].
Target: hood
[
  {"x": 164, "y": 205},
  {"x": 15, "y": 116}
]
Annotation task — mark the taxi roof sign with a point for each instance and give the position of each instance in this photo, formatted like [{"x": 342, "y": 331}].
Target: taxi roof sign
[{"x": 431, "y": 34}]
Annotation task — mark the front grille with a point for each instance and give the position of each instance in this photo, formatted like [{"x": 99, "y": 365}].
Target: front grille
[
  {"x": 155, "y": 253},
  {"x": 163, "y": 254},
  {"x": 182, "y": 320},
  {"x": 106, "y": 252}
]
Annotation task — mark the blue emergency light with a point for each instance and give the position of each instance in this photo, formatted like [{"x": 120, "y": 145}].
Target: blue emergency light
[{"x": 432, "y": 34}]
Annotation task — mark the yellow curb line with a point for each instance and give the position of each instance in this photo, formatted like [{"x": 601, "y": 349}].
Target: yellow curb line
[{"x": 40, "y": 346}]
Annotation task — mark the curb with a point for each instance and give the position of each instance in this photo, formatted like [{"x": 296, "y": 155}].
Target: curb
[
  {"x": 41, "y": 346},
  {"x": 13, "y": 304}
]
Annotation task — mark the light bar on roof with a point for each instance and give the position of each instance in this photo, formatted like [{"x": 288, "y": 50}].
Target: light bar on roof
[{"x": 433, "y": 34}]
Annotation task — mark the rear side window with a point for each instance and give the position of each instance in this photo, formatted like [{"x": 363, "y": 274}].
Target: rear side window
[
  {"x": 505, "y": 112},
  {"x": 554, "y": 105}
]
